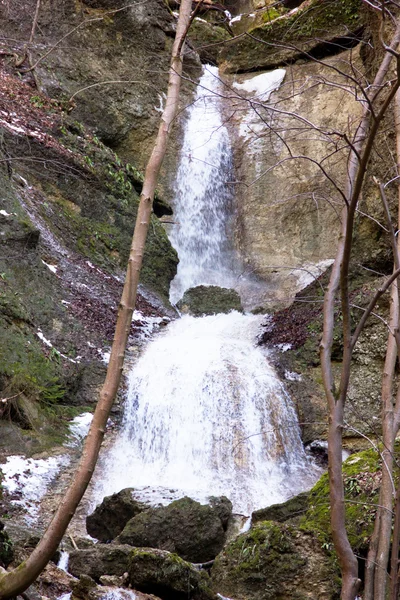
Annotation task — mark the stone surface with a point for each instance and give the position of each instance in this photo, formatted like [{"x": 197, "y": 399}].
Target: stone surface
[
  {"x": 287, "y": 222},
  {"x": 308, "y": 30},
  {"x": 291, "y": 509},
  {"x": 110, "y": 517},
  {"x": 102, "y": 559},
  {"x": 209, "y": 300},
  {"x": 192, "y": 530},
  {"x": 274, "y": 562},
  {"x": 168, "y": 576}
]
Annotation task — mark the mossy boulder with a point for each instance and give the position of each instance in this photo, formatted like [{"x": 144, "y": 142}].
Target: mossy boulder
[
  {"x": 291, "y": 509},
  {"x": 101, "y": 559},
  {"x": 167, "y": 576},
  {"x": 192, "y": 530},
  {"x": 274, "y": 561},
  {"x": 317, "y": 28},
  {"x": 209, "y": 300},
  {"x": 110, "y": 517}
]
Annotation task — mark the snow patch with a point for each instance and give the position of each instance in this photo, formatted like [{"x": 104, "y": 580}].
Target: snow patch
[
  {"x": 292, "y": 376},
  {"x": 53, "y": 268},
  {"x": 28, "y": 479},
  {"x": 262, "y": 85},
  {"x": 283, "y": 347},
  {"x": 307, "y": 273}
]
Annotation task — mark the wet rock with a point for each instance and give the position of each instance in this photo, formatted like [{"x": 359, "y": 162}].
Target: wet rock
[
  {"x": 274, "y": 561},
  {"x": 110, "y": 517},
  {"x": 167, "y": 576},
  {"x": 192, "y": 530},
  {"x": 292, "y": 508},
  {"x": 209, "y": 300},
  {"x": 102, "y": 559}
]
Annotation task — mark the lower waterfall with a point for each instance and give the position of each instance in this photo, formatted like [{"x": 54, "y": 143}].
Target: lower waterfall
[{"x": 206, "y": 413}]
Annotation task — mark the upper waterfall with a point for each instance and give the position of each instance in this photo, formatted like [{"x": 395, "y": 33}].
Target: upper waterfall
[{"x": 204, "y": 194}]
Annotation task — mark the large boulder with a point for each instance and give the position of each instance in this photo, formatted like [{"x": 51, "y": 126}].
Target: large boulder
[
  {"x": 110, "y": 517},
  {"x": 167, "y": 576},
  {"x": 101, "y": 559},
  {"x": 274, "y": 561},
  {"x": 194, "y": 531},
  {"x": 209, "y": 300},
  {"x": 151, "y": 571}
]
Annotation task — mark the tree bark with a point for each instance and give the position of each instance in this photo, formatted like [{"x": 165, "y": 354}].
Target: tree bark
[
  {"x": 16, "y": 581},
  {"x": 357, "y": 165}
]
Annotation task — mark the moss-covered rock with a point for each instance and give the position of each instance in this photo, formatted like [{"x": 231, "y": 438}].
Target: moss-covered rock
[
  {"x": 101, "y": 559},
  {"x": 362, "y": 477},
  {"x": 291, "y": 509},
  {"x": 209, "y": 300},
  {"x": 192, "y": 530},
  {"x": 208, "y": 40},
  {"x": 309, "y": 30},
  {"x": 110, "y": 517},
  {"x": 274, "y": 562},
  {"x": 167, "y": 576}
]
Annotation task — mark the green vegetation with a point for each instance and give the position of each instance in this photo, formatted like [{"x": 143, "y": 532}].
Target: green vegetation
[{"x": 362, "y": 475}]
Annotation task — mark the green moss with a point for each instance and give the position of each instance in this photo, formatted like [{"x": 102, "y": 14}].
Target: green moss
[
  {"x": 273, "y": 43},
  {"x": 361, "y": 474}
]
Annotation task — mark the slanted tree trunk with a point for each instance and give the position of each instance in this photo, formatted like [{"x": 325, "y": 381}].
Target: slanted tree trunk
[{"x": 16, "y": 581}]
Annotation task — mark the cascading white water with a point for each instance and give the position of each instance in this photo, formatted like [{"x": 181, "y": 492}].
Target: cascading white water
[
  {"x": 203, "y": 195},
  {"x": 206, "y": 414}
]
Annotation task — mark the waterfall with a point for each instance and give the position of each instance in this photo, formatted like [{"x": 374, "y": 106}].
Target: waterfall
[
  {"x": 206, "y": 413},
  {"x": 203, "y": 195}
]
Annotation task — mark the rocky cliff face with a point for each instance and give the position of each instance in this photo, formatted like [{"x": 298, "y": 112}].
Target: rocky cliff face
[{"x": 69, "y": 201}]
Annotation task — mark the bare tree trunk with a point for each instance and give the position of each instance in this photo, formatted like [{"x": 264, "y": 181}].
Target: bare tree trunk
[
  {"x": 358, "y": 162},
  {"x": 16, "y": 581}
]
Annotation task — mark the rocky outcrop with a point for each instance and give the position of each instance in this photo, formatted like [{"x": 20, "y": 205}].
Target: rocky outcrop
[
  {"x": 194, "y": 531},
  {"x": 110, "y": 517},
  {"x": 315, "y": 29},
  {"x": 273, "y": 562},
  {"x": 209, "y": 300}
]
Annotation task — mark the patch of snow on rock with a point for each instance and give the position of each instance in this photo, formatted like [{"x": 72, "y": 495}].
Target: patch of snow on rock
[
  {"x": 52, "y": 268},
  {"x": 292, "y": 376},
  {"x": 28, "y": 479},
  {"x": 262, "y": 85}
]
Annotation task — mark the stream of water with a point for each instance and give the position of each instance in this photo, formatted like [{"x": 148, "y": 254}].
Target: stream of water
[{"x": 206, "y": 413}]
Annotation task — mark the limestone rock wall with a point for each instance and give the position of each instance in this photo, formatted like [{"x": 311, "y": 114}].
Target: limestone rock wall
[{"x": 289, "y": 205}]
